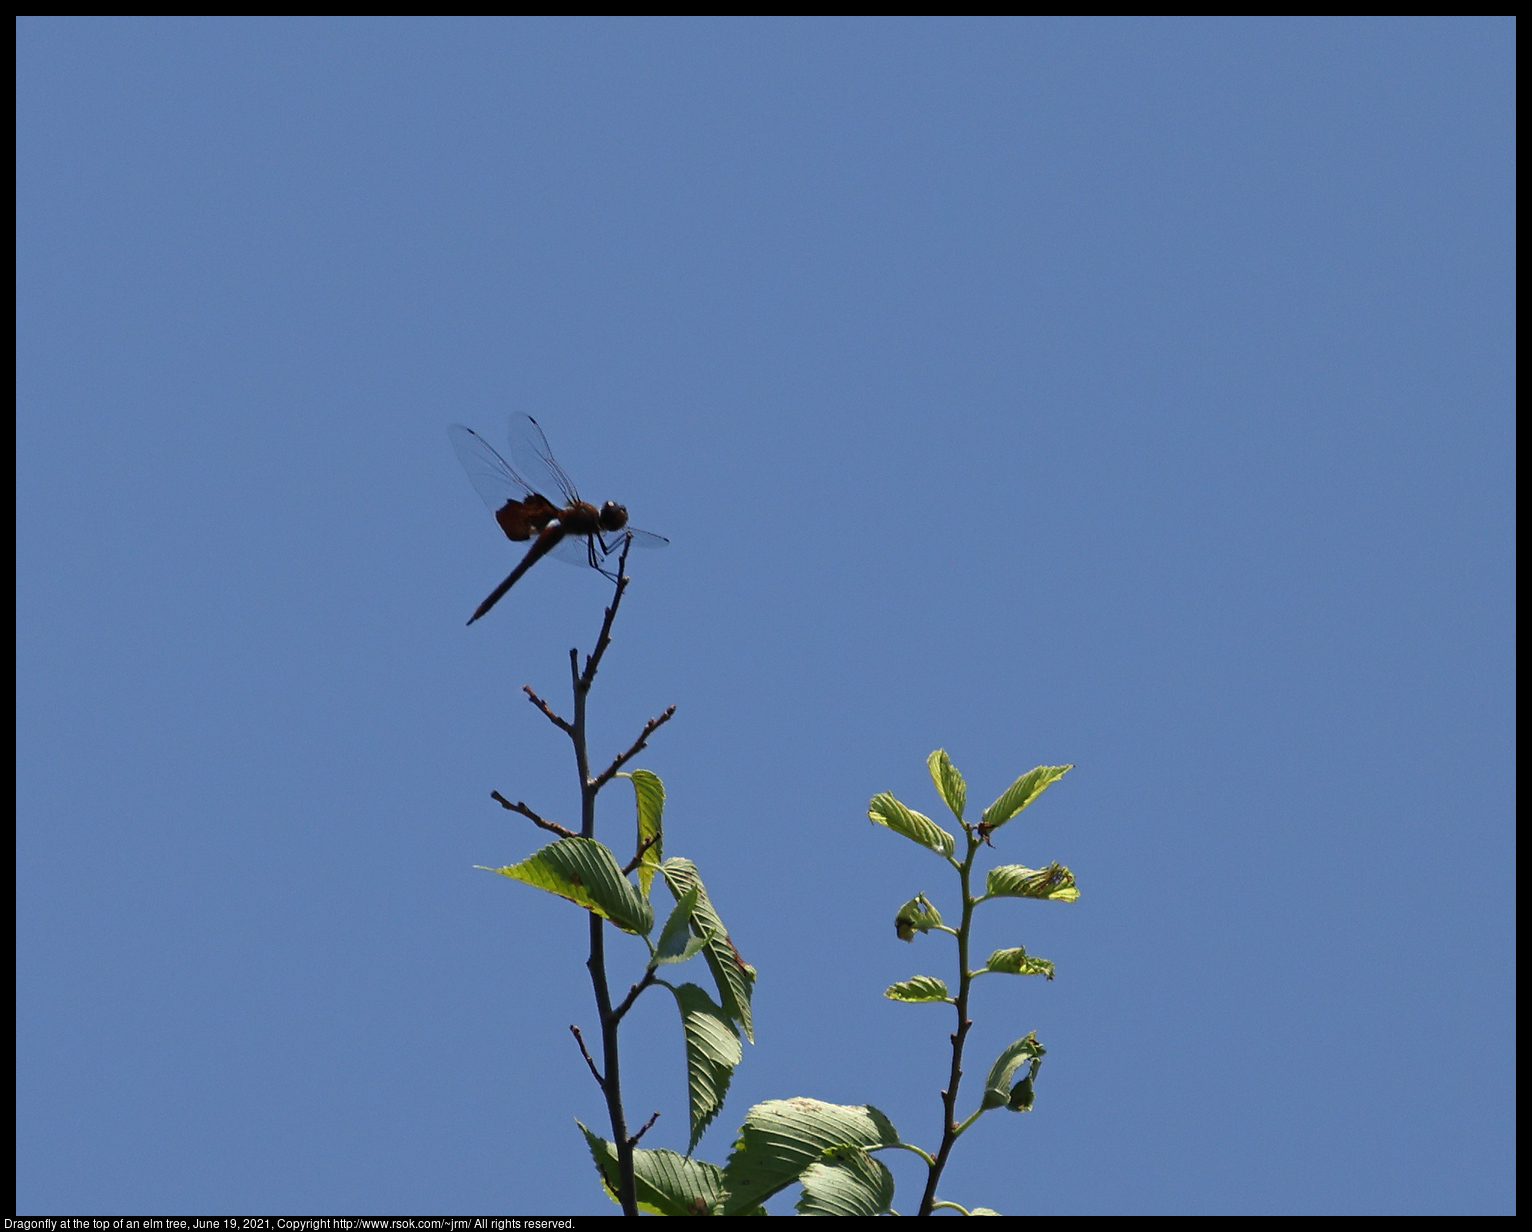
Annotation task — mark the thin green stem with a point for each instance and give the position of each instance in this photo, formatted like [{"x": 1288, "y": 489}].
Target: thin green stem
[{"x": 910, "y": 1146}]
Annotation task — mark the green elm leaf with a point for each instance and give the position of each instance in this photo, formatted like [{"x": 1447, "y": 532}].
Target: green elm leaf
[
  {"x": 997, "y": 1087},
  {"x": 949, "y": 783},
  {"x": 917, "y": 915},
  {"x": 587, "y": 873},
  {"x": 676, "y": 943},
  {"x": 1021, "y": 793},
  {"x": 734, "y": 977},
  {"x": 649, "y": 796},
  {"x": 782, "y": 1138},
  {"x": 884, "y": 810},
  {"x": 1014, "y": 881},
  {"x": 1022, "y": 1094},
  {"x": 1016, "y": 961},
  {"x": 712, "y": 1052},
  {"x": 918, "y": 988},
  {"x": 845, "y": 1180},
  {"x": 664, "y": 1182}
]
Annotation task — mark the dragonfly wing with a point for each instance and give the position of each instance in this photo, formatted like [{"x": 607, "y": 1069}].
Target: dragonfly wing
[
  {"x": 489, "y": 473},
  {"x": 609, "y": 545},
  {"x": 574, "y": 550},
  {"x": 530, "y": 452},
  {"x": 641, "y": 538}
]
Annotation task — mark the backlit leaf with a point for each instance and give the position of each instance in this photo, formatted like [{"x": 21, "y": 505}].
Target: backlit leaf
[
  {"x": 585, "y": 872},
  {"x": 676, "y": 943},
  {"x": 649, "y": 796},
  {"x": 845, "y": 1180},
  {"x": 1014, "y": 881},
  {"x": 781, "y": 1138},
  {"x": 712, "y": 1052},
  {"x": 734, "y": 977},
  {"x": 1017, "y": 961},
  {"x": 1021, "y": 793},
  {"x": 949, "y": 783},
  {"x": 664, "y": 1182},
  {"x": 997, "y": 1087},
  {"x": 917, "y": 915},
  {"x": 884, "y": 810},
  {"x": 918, "y": 988}
]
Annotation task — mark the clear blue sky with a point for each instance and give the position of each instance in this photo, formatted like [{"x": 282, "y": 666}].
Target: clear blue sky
[{"x": 1130, "y": 393}]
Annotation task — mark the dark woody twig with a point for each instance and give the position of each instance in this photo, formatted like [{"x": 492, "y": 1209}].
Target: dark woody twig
[
  {"x": 605, "y": 777},
  {"x": 638, "y": 856},
  {"x": 594, "y": 1073},
  {"x": 519, "y": 807},
  {"x": 562, "y": 724},
  {"x": 574, "y": 728},
  {"x": 605, "y": 639},
  {"x": 627, "y": 1002},
  {"x": 611, "y": 1086},
  {"x": 633, "y": 1141}
]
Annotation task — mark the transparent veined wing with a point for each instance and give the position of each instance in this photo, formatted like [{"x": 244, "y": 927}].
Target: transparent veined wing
[
  {"x": 609, "y": 545},
  {"x": 518, "y": 496},
  {"x": 577, "y": 549},
  {"x": 530, "y": 452},
  {"x": 491, "y": 476},
  {"x": 574, "y": 550}
]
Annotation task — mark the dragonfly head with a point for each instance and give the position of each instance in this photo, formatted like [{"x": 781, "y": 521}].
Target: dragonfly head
[{"x": 613, "y": 516}]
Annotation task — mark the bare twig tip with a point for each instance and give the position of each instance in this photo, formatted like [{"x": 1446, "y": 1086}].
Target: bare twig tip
[
  {"x": 519, "y": 807},
  {"x": 584, "y": 1052},
  {"x": 633, "y": 1141}
]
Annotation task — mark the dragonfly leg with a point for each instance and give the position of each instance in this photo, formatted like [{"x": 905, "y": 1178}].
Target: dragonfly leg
[{"x": 605, "y": 551}]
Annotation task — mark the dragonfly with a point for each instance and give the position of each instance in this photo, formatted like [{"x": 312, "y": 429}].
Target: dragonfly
[{"x": 565, "y": 527}]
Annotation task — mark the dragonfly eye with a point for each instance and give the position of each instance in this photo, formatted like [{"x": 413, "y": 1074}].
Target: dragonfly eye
[{"x": 613, "y": 516}]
